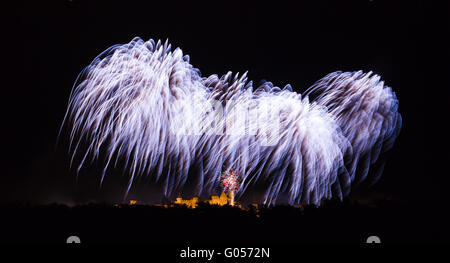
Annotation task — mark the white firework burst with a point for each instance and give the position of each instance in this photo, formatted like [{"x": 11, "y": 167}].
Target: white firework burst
[{"x": 144, "y": 103}]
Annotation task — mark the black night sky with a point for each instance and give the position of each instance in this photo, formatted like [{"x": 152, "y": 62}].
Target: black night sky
[{"x": 291, "y": 43}]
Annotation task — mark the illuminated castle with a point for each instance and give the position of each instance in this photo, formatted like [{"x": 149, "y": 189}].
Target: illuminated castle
[
  {"x": 215, "y": 200},
  {"x": 221, "y": 200}
]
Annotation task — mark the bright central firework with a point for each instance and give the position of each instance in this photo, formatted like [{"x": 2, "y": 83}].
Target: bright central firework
[
  {"x": 146, "y": 105},
  {"x": 230, "y": 181}
]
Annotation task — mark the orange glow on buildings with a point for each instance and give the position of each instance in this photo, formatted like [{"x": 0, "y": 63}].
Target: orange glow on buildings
[
  {"x": 194, "y": 202},
  {"x": 191, "y": 203},
  {"x": 221, "y": 200}
]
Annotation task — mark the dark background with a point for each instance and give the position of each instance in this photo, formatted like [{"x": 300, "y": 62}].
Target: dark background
[{"x": 285, "y": 43}]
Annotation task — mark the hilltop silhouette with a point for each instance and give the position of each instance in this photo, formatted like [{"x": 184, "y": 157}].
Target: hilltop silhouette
[{"x": 338, "y": 222}]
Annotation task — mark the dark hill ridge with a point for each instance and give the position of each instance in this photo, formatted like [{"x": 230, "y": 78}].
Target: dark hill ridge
[{"x": 348, "y": 222}]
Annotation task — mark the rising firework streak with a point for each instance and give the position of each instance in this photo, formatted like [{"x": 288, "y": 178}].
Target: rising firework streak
[{"x": 144, "y": 104}]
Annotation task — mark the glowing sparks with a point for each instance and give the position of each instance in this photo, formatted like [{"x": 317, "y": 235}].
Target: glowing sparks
[{"x": 230, "y": 181}]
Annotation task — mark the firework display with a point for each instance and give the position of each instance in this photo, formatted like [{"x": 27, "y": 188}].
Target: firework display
[{"x": 143, "y": 103}]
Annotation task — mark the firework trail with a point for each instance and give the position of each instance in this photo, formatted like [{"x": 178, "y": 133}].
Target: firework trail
[{"x": 145, "y": 104}]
